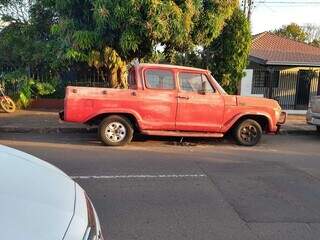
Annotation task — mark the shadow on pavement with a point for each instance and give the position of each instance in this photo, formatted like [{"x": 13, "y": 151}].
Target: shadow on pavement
[{"x": 91, "y": 139}]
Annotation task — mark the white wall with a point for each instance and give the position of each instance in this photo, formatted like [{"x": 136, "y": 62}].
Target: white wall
[{"x": 246, "y": 84}]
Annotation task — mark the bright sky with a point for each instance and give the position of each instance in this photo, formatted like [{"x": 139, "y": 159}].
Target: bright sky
[{"x": 270, "y": 14}]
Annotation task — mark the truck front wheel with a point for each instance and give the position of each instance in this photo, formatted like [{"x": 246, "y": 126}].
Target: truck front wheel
[
  {"x": 115, "y": 131},
  {"x": 248, "y": 132}
]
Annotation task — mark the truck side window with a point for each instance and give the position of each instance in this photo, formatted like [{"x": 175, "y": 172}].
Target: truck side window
[
  {"x": 131, "y": 79},
  {"x": 159, "y": 79},
  {"x": 193, "y": 82}
]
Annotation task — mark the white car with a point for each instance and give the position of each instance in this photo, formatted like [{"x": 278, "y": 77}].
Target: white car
[
  {"x": 40, "y": 202},
  {"x": 313, "y": 114}
]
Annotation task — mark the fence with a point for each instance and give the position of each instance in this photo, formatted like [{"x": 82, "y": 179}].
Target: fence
[
  {"x": 293, "y": 89},
  {"x": 87, "y": 77},
  {"x": 10, "y": 89}
]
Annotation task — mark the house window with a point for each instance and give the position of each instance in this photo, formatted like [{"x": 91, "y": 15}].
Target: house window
[
  {"x": 259, "y": 78},
  {"x": 262, "y": 78}
]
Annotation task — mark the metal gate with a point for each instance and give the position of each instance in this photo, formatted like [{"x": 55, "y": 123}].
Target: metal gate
[{"x": 292, "y": 89}]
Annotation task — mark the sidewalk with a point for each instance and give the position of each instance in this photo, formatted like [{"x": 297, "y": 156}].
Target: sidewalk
[
  {"x": 43, "y": 121},
  {"x": 296, "y": 124},
  {"x": 38, "y": 121}
]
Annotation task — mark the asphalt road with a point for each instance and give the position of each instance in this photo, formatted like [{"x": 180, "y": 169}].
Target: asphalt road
[{"x": 162, "y": 189}]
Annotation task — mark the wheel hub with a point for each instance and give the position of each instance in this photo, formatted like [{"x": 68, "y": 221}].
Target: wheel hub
[
  {"x": 115, "y": 132},
  {"x": 249, "y": 133}
]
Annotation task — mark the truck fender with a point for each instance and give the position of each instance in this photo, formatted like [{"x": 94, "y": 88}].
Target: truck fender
[
  {"x": 229, "y": 124},
  {"x": 115, "y": 111}
]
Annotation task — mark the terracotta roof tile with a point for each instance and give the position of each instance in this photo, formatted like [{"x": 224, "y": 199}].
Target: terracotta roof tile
[{"x": 271, "y": 49}]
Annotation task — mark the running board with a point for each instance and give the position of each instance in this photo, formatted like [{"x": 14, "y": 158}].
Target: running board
[{"x": 181, "y": 134}]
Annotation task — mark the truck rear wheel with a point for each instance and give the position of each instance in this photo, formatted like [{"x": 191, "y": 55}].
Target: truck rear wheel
[
  {"x": 318, "y": 129},
  {"x": 248, "y": 132},
  {"x": 115, "y": 131}
]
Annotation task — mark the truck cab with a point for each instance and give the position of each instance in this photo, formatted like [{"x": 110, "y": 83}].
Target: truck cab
[{"x": 170, "y": 100}]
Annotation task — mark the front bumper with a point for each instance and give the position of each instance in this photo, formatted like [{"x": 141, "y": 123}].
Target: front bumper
[
  {"x": 85, "y": 218},
  {"x": 282, "y": 120},
  {"x": 313, "y": 118},
  {"x": 93, "y": 231}
]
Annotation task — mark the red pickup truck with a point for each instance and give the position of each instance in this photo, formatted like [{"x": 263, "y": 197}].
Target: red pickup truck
[{"x": 167, "y": 100}]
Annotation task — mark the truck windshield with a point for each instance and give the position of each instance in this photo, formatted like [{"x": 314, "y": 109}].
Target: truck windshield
[{"x": 219, "y": 88}]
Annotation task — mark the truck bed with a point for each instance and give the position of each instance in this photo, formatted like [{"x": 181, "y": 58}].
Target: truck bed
[{"x": 82, "y": 103}]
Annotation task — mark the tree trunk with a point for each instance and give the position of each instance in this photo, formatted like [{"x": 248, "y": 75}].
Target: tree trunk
[
  {"x": 114, "y": 78},
  {"x": 117, "y": 68},
  {"x": 123, "y": 76}
]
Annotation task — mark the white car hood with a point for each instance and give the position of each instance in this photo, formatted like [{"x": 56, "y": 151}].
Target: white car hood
[{"x": 37, "y": 200}]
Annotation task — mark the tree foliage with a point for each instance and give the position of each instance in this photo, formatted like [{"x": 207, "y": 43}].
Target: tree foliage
[
  {"x": 315, "y": 43},
  {"x": 133, "y": 28},
  {"x": 292, "y": 31},
  {"x": 28, "y": 88},
  {"x": 29, "y": 44},
  {"x": 227, "y": 56},
  {"x": 308, "y": 33},
  {"x": 60, "y": 35},
  {"x": 313, "y": 34}
]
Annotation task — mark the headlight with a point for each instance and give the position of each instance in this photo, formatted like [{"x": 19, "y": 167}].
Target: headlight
[{"x": 93, "y": 231}]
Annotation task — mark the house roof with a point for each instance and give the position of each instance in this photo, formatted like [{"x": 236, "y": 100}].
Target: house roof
[{"x": 270, "y": 49}]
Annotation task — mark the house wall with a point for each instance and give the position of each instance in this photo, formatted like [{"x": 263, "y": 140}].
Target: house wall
[
  {"x": 286, "y": 89},
  {"x": 246, "y": 84}
]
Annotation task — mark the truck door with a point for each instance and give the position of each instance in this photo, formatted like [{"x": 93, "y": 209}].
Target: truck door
[
  {"x": 200, "y": 106},
  {"x": 159, "y": 106}
]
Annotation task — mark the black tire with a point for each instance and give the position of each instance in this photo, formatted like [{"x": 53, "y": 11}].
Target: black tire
[
  {"x": 248, "y": 132},
  {"x": 318, "y": 129},
  {"x": 116, "y": 131}
]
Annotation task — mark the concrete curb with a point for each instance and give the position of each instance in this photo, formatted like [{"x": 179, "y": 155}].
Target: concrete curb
[
  {"x": 298, "y": 132},
  {"x": 95, "y": 130},
  {"x": 47, "y": 130}
]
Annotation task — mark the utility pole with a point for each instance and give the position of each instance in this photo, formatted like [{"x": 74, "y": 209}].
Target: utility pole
[
  {"x": 244, "y": 2},
  {"x": 250, "y": 7},
  {"x": 247, "y": 8}
]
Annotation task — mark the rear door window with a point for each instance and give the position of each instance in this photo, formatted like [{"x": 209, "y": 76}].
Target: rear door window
[
  {"x": 132, "y": 80},
  {"x": 159, "y": 79}
]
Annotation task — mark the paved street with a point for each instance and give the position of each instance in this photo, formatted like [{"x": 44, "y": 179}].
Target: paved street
[{"x": 159, "y": 188}]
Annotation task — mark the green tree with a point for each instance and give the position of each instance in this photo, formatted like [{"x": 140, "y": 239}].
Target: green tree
[
  {"x": 312, "y": 31},
  {"x": 28, "y": 43},
  {"x": 313, "y": 34},
  {"x": 292, "y": 31},
  {"x": 108, "y": 34},
  {"x": 315, "y": 43},
  {"x": 227, "y": 56},
  {"x": 28, "y": 47}
]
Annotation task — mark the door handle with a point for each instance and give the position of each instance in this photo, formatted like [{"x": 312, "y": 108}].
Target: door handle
[{"x": 183, "y": 97}]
